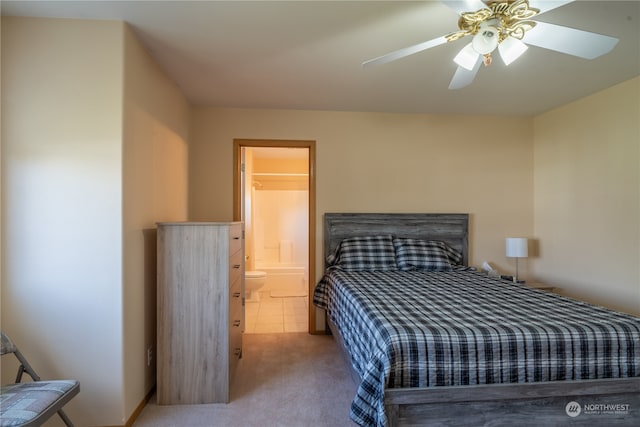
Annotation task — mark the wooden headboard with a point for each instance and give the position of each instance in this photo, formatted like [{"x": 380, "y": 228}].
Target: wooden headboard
[{"x": 450, "y": 228}]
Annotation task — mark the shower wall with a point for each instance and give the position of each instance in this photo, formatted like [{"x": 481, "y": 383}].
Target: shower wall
[
  {"x": 280, "y": 227},
  {"x": 281, "y": 240}
]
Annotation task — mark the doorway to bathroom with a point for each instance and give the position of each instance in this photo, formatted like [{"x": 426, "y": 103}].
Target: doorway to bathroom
[{"x": 274, "y": 195}]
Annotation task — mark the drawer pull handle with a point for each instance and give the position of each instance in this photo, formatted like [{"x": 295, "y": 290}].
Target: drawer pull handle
[
  {"x": 237, "y": 352},
  {"x": 236, "y": 266},
  {"x": 236, "y": 323},
  {"x": 236, "y": 238},
  {"x": 236, "y": 294}
]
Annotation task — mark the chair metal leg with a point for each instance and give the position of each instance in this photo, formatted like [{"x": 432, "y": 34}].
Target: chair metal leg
[
  {"x": 66, "y": 419},
  {"x": 19, "y": 374},
  {"x": 25, "y": 367}
]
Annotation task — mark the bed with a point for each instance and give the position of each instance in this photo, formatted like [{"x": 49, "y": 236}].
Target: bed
[{"x": 432, "y": 342}]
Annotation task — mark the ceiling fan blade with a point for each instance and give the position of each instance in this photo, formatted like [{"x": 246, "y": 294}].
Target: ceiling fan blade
[
  {"x": 464, "y": 77},
  {"x": 461, "y": 6},
  {"x": 401, "y": 53},
  {"x": 569, "y": 40},
  {"x": 547, "y": 5}
]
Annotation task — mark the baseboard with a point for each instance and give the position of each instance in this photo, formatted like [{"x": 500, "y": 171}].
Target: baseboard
[{"x": 139, "y": 408}]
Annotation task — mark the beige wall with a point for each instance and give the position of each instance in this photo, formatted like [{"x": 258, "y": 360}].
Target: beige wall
[
  {"x": 587, "y": 197},
  {"x": 155, "y": 157},
  {"x": 61, "y": 175},
  {"x": 281, "y": 165},
  {"x": 373, "y": 162},
  {"x": 94, "y": 153}
]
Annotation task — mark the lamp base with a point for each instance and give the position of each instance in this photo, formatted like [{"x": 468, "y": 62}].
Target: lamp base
[{"x": 511, "y": 279}]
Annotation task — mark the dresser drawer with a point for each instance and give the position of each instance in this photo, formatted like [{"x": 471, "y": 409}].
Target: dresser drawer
[
  {"x": 235, "y": 293},
  {"x": 235, "y": 267},
  {"x": 235, "y": 349},
  {"x": 235, "y": 239},
  {"x": 235, "y": 320},
  {"x": 235, "y": 306}
]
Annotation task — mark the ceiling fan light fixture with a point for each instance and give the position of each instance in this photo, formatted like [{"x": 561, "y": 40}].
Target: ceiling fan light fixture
[
  {"x": 467, "y": 57},
  {"x": 486, "y": 40},
  {"x": 505, "y": 24},
  {"x": 511, "y": 49}
]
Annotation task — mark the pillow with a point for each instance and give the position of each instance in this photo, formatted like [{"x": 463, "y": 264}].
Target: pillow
[
  {"x": 455, "y": 257},
  {"x": 421, "y": 255},
  {"x": 365, "y": 253}
]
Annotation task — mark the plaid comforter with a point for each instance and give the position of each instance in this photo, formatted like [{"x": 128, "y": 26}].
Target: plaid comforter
[{"x": 424, "y": 329}]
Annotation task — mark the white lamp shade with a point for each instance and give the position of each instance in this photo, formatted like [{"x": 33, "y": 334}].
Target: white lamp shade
[
  {"x": 510, "y": 49},
  {"x": 486, "y": 40},
  {"x": 467, "y": 57},
  {"x": 517, "y": 247}
]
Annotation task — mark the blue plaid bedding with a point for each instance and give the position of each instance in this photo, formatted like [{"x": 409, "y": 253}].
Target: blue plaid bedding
[{"x": 424, "y": 329}]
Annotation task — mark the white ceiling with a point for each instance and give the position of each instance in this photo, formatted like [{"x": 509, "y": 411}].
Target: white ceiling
[{"x": 308, "y": 54}]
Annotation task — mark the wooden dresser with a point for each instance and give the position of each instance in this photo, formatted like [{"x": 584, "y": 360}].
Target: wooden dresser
[{"x": 200, "y": 310}]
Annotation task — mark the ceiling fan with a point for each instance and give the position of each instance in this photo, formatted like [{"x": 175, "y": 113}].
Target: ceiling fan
[{"x": 505, "y": 25}]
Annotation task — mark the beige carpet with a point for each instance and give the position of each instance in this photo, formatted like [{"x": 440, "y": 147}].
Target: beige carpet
[{"x": 286, "y": 380}]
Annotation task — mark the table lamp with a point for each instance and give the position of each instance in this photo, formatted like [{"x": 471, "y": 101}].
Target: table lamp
[{"x": 517, "y": 247}]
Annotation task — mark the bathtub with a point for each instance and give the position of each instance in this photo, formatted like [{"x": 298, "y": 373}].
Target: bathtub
[{"x": 285, "y": 281}]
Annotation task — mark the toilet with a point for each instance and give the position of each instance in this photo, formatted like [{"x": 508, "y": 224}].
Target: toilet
[{"x": 253, "y": 281}]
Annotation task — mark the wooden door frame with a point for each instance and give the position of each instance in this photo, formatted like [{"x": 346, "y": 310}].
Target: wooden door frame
[{"x": 238, "y": 145}]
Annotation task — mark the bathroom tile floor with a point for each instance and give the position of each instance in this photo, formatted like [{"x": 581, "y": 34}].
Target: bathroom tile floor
[{"x": 272, "y": 315}]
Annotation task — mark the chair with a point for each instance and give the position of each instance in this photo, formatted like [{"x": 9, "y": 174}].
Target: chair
[{"x": 32, "y": 403}]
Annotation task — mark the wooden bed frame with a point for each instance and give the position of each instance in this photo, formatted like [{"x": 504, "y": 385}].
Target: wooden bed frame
[{"x": 530, "y": 404}]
